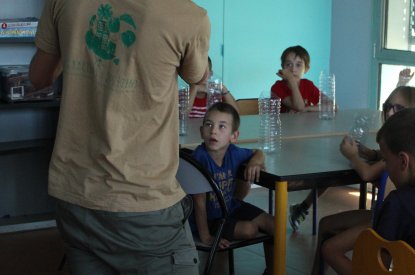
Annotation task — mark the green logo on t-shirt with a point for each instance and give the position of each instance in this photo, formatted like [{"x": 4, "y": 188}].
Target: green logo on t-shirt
[{"x": 102, "y": 36}]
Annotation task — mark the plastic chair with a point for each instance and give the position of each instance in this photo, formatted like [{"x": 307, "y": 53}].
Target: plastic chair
[
  {"x": 367, "y": 255},
  {"x": 195, "y": 179},
  {"x": 248, "y": 106}
]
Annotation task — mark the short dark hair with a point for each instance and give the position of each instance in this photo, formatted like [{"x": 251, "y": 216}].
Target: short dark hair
[
  {"x": 228, "y": 109},
  {"x": 298, "y": 51},
  {"x": 398, "y": 132}
]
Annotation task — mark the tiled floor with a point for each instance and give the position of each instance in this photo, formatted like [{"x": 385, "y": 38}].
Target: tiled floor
[
  {"x": 39, "y": 252},
  {"x": 300, "y": 245}
]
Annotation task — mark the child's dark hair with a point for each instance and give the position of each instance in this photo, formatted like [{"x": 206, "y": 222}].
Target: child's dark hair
[
  {"x": 398, "y": 132},
  {"x": 298, "y": 51},
  {"x": 226, "y": 108}
]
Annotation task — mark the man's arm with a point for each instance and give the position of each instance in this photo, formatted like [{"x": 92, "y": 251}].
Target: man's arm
[
  {"x": 228, "y": 98},
  {"x": 43, "y": 69}
]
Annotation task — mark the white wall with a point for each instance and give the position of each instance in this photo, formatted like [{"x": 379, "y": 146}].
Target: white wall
[
  {"x": 256, "y": 34},
  {"x": 351, "y": 52}
]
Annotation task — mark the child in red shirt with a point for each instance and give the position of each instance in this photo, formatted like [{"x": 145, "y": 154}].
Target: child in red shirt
[
  {"x": 297, "y": 94},
  {"x": 198, "y": 98}
]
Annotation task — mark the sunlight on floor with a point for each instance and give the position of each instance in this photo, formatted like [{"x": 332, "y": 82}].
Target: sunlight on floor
[{"x": 357, "y": 194}]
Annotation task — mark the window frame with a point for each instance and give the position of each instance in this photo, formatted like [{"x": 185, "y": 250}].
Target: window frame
[{"x": 382, "y": 55}]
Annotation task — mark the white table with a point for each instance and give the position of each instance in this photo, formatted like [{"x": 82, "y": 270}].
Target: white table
[
  {"x": 294, "y": 125},
  {"x": 309, "y": 151},
  {"x": 317, "y": 162}
]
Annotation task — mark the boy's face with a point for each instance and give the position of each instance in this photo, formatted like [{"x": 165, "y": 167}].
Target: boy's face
[
  {"x": 397, "y": 165},
  {"x": 217, "y": 131},
  {"x": 296, "y": 65}
]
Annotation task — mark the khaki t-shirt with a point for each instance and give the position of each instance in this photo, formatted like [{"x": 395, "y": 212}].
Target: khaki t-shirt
[{"x": 117, "y": 141}]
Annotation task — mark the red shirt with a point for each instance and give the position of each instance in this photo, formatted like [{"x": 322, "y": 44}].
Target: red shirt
[
  {"x": 309, "y": 92},
  {"x": 199, "y": 107}
]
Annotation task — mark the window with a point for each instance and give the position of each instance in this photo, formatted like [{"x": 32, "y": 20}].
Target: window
[{"x": 394, "y": 48}]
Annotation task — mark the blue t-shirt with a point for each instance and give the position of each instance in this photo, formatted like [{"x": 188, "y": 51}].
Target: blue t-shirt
[
  {"x": 396, "y": 218},
  {"x": 224, "y": 176}
]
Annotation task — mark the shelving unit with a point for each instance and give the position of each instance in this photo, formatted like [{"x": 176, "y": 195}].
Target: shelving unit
[
  {"x": 30, "y": 104},
  {"x": 24, "y": 202},
  {"x": 17, "y": 40},
  {"x": 27, "y": 132},
  {"x": 15, "y": 146}
]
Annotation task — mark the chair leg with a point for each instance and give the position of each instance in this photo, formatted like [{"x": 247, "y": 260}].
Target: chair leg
[
  {"x": 270, "y": 201},
  {"x": 321, "y": 269},
  {"x": 231, "y": 262},
  {"x": 374, "y": 191},
  {"x": 315, "y": 214}
]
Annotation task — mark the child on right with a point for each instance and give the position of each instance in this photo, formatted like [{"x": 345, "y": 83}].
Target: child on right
[
  {"x": 338, "y": 233},
  {"x": 396, "y": 218},
  {"x": 299, "y": 211}
]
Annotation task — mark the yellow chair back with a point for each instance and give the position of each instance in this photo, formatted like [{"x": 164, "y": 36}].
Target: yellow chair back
[{"x": 367, "y": 259}]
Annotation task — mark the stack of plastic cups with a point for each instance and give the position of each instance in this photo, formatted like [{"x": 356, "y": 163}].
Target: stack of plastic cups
[
  {"x": 270, "y": 123},
  {"x": 214, "y": 88},
  {"x": 183, "y": 109}
]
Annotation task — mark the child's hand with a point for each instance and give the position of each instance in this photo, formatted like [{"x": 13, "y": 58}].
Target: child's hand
[
  {"x": 223, "y": 243},
  {"x": 286, "y": 74},
  {"x": 405, "y": 76},
  {"x": 252, "y": 171},
  {"x": 349, "y": 147}
]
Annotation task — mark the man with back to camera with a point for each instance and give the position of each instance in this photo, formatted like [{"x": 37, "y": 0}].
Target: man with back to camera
[{"x": 113, "y": 167}]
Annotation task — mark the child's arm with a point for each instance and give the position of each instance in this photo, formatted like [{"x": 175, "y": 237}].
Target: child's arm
[
  {"x": 228, "y": 98},
  {"x": 367, "y": 172},
  {"x": 199, "y": 201},
  {"x": 251, "y": 173},
  {"x": 254, "y": 166},
  {"x": 315, "y": 108},
  {"x": 404, "y": 77},
  {"x": 295, "y": 101},
  {"x": 192, "y": 95},
  {"x": 201, "y": 217},
  {"x": 242, "y": 189},
  {"x": 369, "y": 154}
]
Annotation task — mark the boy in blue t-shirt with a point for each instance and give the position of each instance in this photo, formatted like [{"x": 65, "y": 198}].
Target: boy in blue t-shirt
[
  {"x": 223, "y": 159},
  {"x": 396, "y": 138}
]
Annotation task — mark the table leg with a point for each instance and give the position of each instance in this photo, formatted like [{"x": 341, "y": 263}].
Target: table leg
[
  {"x": 280, "y": 227},
  {"x": 363, "y": 195}
]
